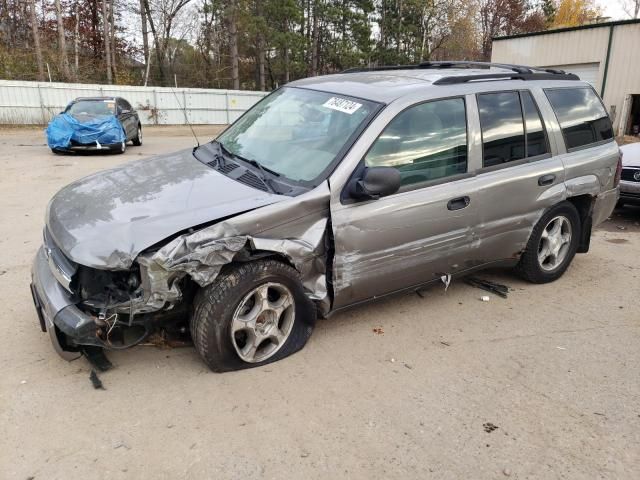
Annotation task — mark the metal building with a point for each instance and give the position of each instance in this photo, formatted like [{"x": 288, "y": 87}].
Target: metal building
[{"x": 607, "y": 55}]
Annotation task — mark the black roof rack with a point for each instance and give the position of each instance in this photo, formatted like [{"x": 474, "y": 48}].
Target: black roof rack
[
  {"x": 506, "y": 76},
  {"x": 519, "y": 72}
]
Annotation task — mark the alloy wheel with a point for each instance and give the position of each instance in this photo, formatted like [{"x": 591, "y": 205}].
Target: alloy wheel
[
  {"x": 262, "y": 322},
  {"x": 554, "y": 243}
]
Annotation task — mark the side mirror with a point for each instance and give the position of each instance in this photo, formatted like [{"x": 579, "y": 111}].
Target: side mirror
[{"x": 376, "y": 182}]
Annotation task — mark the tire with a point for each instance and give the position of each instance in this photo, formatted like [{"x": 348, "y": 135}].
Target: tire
[
  {"x": 122, "y": 147},
  {"x": 537, "y": 264},
  {"x": 137, "y": 140},
  {"x": 234, "y": 295},
  {"x": 57, "y": 152}
]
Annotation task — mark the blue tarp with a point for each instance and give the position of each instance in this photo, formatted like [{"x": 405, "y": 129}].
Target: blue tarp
[{"x": 106, "y": 130}]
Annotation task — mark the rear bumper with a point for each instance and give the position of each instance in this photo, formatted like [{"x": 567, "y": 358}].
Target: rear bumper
[
  {"x": 604, "y": 205},
  {"x": 67, "y": 325}
]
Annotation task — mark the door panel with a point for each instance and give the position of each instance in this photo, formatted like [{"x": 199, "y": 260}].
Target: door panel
[
  {"x": 512, "y": 201},
  {"x": 524, "y": 184},
  {"x": 402, "y": 240},
  {"x": 427, "y": 229}
]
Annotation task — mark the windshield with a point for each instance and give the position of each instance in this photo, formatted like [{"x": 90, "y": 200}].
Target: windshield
[
  {"x": 297, "y": 133},
  {"x": 93, "y": 107}
]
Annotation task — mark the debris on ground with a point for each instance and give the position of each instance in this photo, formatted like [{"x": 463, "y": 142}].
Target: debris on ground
[
  {"x": 95, "y": 381},
  {"x": 489, "y": 427},
  {"x": 378, "y": 330},
  {"x": 621, "y": 227},
  {"x": 96, "y": 357},
  {"x": 446, "y": 344},
  {"x": 167, "y": 340},
  {"x": 492, "y": 287},
  {"x": 485, "y": 298},
  {"x": 446, "y": 280},
  {"x": 410, "y": 367},
  {"x": 23, "y": 382}
]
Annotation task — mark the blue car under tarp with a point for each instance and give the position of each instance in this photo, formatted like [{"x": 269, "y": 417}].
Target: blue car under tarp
[{"x": 98, "y": 131}]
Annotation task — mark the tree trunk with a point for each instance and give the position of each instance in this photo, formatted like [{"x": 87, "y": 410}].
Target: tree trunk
[
  {"x": 233, "y": 46},
  {"x": 76, "y": 42},
  {"x": 62, "y": 43},
  {"x": 156, "y": 41},
  {"x": 105, "y": 40},
  {"x": 314, "y": 40},
  {"x": 261, "y": 76},
  {"x": 114, "y": 64},
  {"x": 145, "y": 39},
  {"x": 36, "y": 39}
]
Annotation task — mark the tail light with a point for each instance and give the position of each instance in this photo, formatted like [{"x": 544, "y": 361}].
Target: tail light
[{"x": 616, "y": 180}]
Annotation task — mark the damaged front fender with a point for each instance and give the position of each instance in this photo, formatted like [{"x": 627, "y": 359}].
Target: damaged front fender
[{"x": 295, "y": 230}]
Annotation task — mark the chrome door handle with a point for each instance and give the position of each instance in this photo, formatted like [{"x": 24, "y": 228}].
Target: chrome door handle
[
  {"x": 545, "y": 180},
  {"x": 458, "y": 203}
]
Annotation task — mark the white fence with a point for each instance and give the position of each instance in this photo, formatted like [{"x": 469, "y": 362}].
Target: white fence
[{"x": 33, "y": 103}]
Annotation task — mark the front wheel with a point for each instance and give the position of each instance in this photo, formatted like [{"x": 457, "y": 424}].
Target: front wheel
[
  {"x": 552, "y": 245},
  {"x": 253, "y": 314},
  {"x": 122, "y": 147}
]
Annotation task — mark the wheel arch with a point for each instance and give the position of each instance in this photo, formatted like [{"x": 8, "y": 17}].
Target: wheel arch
[{"x": 584, "y": 206}]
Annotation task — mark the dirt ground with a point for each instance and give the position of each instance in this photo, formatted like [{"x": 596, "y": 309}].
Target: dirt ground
[{"x": 544, "y": 384}]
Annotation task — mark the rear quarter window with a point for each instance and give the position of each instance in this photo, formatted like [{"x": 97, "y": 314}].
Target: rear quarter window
[{"x": 582, "y": 117}]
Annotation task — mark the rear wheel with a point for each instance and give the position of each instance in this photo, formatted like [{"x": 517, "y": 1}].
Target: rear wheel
[
  {"x": 137, "y": 140},
  {"x": 255, "y": 313},
  {"x": 552, "y": 245}
]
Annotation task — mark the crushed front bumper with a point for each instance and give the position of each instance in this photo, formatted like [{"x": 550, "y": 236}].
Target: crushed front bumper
[{"x": 67, "y": 325}]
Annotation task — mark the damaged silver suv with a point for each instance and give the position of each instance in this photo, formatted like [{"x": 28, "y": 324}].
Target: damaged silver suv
[{"x": 330, "y": 192}]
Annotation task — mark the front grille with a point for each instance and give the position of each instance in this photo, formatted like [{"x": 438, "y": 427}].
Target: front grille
[
  {"x": 61, "y": 267},
  {"x": 628, "y": 174}
]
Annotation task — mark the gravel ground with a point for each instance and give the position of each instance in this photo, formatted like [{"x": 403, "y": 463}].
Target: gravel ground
[{"x": 543, "y": 384}]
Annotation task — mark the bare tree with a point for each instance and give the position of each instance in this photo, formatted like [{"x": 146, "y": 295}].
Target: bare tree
[
  {"x": 233, "y": 43},
  {"x": 112, "y": 27},
  {"x": 62, "y": 43},
  {"x": 106, "y": 39},
  {"x": 315, "y": 35},
  {"x": 76, "y": 41},
  {"x": 145, "y": 39},
  {"x": 36, "y": 39},
  {"x": 162, "y": 15},
  {"x": 631, "y": 7}
]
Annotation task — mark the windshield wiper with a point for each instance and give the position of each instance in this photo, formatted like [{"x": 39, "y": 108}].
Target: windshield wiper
[
  {"x": 265, "y": 179},
  {"x": 263, "y": 170}
]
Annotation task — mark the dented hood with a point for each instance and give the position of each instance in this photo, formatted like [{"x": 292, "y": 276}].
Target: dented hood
[{"x": 105, "y": 220}]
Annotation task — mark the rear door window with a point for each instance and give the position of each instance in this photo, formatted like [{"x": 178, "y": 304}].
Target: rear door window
[
  {"x": 582, "y": 117},
  {"x": 502, "y": 128},
  {"x": 512, "y": 128},
  {"x": 536, "y": 136}
]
